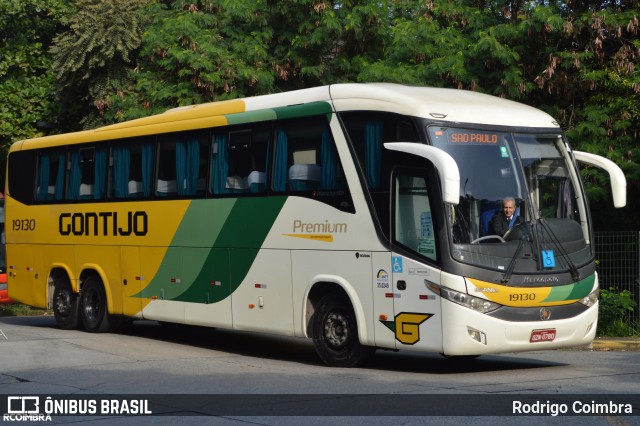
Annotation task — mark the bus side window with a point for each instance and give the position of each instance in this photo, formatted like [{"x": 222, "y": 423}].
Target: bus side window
[
  {"x": 132, "y": 169},
  {"x": 305, "y": 157},
  {"x": 51, "y": 174},
  {"x": 306, "y": 163},
  {"x": 368, "y": 131},
  {"x": 239, "y": 160},
  {"x": 258, "y": 152},
  {"x": 414, "y": 227},
  {"x": 182, "y": 165},
  {"x": 87, "y": 173},
  {"x": 219, "y": 162}
]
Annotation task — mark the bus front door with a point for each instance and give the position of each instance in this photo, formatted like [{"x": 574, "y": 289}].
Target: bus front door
[{"x": 417, "y": 313}]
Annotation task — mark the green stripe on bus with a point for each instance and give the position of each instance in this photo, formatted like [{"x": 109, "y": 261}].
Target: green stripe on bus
[
  {"x": 237, "y": 246},
  {"x": 250, "y": 221},
  {"x": 251, "y": 116},
  {"x": 582, "y": 288},
  {"x": 212, "y": 213},
  {"x": 573, "y": 291},
  {"x": 211, "y": 284},
  {"x": 234, "y": 229},
  {"x": 314, "y": 108}
]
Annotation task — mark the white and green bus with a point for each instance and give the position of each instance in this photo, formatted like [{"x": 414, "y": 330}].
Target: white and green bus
[{"x": 357, "y": 215}]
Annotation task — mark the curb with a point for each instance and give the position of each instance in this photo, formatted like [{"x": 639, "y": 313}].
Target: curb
[{"x": 615, "y": 344}]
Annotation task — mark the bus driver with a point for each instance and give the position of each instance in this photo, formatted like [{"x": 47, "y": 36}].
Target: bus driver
[{"x": 505, "y": 219}]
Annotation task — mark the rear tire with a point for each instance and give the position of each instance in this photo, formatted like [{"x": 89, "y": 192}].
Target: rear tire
[
  {"x": 93, "y": 306},
  {"x": 65, "y": 306},
  {"x": 335, "y": 333}
]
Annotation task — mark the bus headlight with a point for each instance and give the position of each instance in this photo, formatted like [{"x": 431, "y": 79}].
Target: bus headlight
[
  {"x": 479, "y": 305},
  {"x": 591, "y": 298}
]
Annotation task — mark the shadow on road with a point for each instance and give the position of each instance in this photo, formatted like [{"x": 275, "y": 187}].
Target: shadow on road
[{"x": 301, "y": 350}]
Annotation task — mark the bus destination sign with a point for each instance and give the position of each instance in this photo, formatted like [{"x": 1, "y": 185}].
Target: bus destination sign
[
  {"x": 473, "y": 138},
  {"x": 467, "y": 137}
]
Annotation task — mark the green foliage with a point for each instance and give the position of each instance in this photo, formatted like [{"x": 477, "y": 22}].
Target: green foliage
[
  {"x": 20, "y": 310},
  {"x": 122, "y": 59},
  {"x": 196, "y": 52},
  {"x": 615, "y": 308},
  {"x": 26, "y": 30},
  {"x": 93, "y": 55}
]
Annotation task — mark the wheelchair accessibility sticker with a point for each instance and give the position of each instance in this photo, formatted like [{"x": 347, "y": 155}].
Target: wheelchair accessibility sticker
[
  {"x": 397, "y": 264},
  {"x": 548, "y": 259}
]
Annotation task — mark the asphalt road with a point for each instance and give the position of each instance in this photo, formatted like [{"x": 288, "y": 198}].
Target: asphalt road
[{"x": 190, "y": 373}]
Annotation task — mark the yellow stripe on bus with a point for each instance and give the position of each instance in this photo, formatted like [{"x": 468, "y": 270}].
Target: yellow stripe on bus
[
  {"x": 513, "y": 296},
  {"x": 327, "y": 238}
]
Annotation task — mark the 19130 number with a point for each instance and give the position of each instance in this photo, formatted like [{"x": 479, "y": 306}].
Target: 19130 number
[
  {"x": 23, "y": 225},
  {"x": 522, "y": 297}
]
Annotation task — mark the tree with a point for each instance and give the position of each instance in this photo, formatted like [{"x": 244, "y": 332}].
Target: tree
[
  {"x": 93, "y": 56},
  {"x": 577, "y": 60},
  {"x": 450, "y": 44},
  {"x": 591, "y": 78},
  {"x": 326, "y": 42},
  {"x": 26, "y": 30},
  {"x": 195, "y": 52},
  {"x": 124, "y": 59}
]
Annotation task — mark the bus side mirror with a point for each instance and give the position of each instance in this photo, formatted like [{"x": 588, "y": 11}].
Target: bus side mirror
[
  {"x": 444, "y": 163},
  {"x": 618, "y": 181}
]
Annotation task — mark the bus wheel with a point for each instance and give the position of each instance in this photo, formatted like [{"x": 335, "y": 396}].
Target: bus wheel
[
  {"x": 335, "y": 333},
  {"x": 93, "y": 306},
  {"x": 65, "y": 306}
]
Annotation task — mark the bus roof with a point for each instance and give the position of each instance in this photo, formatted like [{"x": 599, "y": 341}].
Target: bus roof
[
  {"x": 450, "y": 105},
  {"x": 447, "y": 105}
]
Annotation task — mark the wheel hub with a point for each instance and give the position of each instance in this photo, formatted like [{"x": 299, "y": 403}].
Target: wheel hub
[
  {"x": 63, "y": 303},
  {"x": 336, "y": 330},
  {"x": 92, "y": 308}
]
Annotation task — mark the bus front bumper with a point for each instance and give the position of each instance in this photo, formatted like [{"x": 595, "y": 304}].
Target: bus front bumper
[{"x": 467, "y": 332}]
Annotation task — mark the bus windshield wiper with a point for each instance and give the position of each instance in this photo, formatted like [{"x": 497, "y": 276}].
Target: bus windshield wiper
[
  {"x": 523, "y": 230},
  {"x": 512, "y": 264}
]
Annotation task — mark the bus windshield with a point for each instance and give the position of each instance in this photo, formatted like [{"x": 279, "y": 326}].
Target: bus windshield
[{"x": 521, "y": 209}]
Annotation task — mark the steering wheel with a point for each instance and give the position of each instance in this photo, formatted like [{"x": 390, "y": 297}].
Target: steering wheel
[{"x": 488, "y": 237}]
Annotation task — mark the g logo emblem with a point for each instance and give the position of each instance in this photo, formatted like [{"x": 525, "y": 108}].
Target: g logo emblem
[{"x": 407, "y": 327}]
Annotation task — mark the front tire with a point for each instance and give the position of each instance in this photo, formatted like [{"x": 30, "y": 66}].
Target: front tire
[
  {"x": 93, "y": 306},
  {"x": 335, "y": 333},
  {"x": 65, "y": 306}
]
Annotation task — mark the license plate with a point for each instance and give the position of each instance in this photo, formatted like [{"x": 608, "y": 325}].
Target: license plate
[{"x": 547, "y": 335}]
